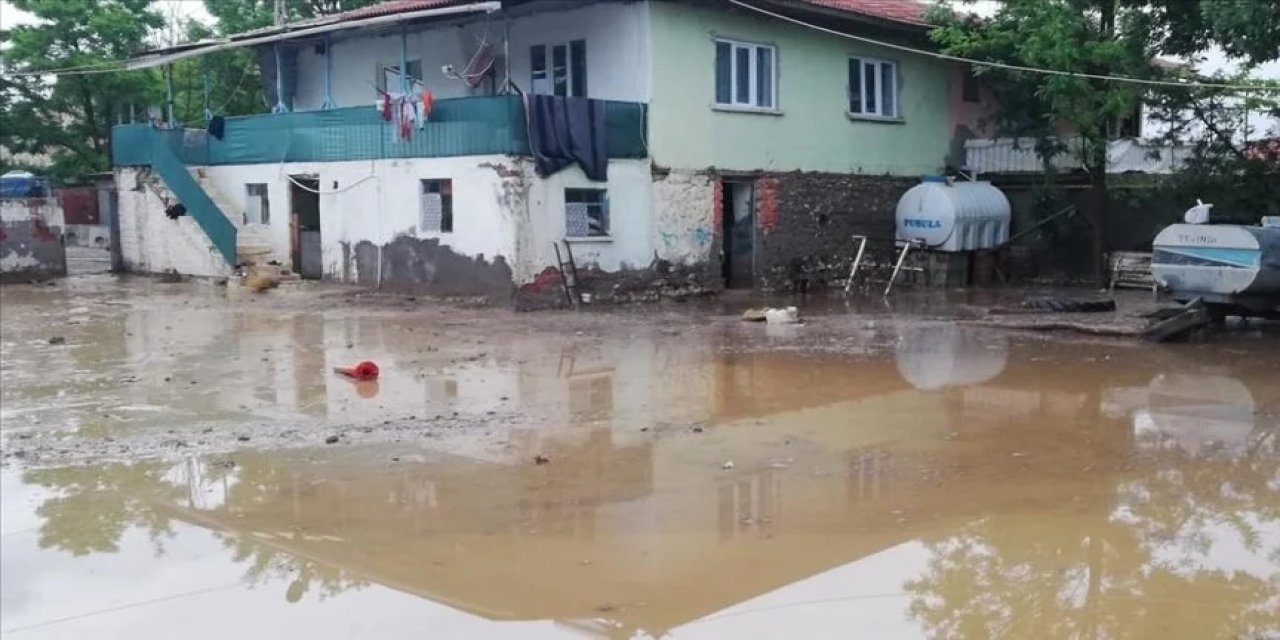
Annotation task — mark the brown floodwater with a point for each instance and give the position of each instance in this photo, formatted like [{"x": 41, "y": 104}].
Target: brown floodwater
[{"x": 867, "y": 476}]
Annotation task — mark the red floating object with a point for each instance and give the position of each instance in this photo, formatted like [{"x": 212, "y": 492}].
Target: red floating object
[{"x": 364, "y": 371}]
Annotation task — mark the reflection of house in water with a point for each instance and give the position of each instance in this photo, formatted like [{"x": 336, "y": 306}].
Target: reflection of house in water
[
  {"x": 621, "y": 530},
  {"x": 633, "y": 524}
]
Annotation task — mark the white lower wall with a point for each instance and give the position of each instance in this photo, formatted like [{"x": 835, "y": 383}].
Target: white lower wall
[
  {"x": 501, "y": 209},
  {"x": 684, "y": 219},
  {"x": 630, "y": 241},
  {"x": 152, "y": 243},
  {"x": 377, "y": 201}
]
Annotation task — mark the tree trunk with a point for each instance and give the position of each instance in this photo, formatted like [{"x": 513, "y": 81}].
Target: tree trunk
[{"x": 1100, "y": 209}]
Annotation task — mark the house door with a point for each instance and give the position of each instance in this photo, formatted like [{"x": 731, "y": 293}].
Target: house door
[
  {"x": 304, "y": 225},
  {"x": 739, "y": 215}
]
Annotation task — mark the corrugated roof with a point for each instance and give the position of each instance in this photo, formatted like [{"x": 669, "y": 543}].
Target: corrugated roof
[
  {"x": 395, "y": 6},
  {"x": 902, "y": 11},
  {"x": 906, "y": 11}
]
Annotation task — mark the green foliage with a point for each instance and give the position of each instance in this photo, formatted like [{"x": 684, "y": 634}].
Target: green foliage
[
  {"x": 69, "y": 117},
  {"x": 1079, "y": 36}
]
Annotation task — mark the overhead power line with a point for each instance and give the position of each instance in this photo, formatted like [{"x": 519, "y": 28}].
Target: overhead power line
[{"x": 1011, "y": 67}]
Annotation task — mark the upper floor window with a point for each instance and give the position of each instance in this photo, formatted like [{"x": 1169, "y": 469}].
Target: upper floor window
[
  {"x": 746, "y": 75},
  {"x": 388, "y": 78},
  {"x": 559, "y": 69},
  {"x": 873, "y": 88}
]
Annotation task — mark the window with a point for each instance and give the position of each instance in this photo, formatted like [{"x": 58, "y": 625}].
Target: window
[
  {"x": 559, "y": 69},
  {"x": 873, "y": 88},
  {"x": 435, "y": 206},
  {"x": 1129, "y": 126},
  {"x": 388, "y": 76},
  {"x": 257, "y": 207},
  {"x": 745, "y": 75},
  {"x": 586, "y": 213}
]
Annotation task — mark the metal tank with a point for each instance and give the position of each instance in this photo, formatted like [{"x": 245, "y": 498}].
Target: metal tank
[{"x": 1233, "y": 268}]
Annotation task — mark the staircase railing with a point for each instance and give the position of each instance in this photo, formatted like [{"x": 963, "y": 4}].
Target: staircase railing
[{"x": 199, "y": 205}]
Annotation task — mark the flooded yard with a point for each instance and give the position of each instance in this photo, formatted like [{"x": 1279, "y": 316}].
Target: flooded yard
[{"x": 183, "y": 462}]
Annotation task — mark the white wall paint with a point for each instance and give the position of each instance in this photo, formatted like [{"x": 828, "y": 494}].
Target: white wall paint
[
  {"x": 617, "y": 54},
  {"x": 378, "y": 201},
  {"x": 152, "y": 243},
  {"x": 684, "y": 217},
  {"x": 630, "y": 241},
  {"x": 500, "y": 208}
]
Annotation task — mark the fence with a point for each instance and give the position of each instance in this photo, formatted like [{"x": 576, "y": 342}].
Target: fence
[{"x": 457, "y": 127}]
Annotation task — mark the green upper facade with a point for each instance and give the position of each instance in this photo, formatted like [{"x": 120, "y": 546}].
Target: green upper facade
[{"x": 798, "y": 109}]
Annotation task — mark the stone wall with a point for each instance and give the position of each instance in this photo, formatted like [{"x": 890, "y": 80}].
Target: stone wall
[
  {"x": 31, "y": 245},
  {"x": 806, "y": 220}
]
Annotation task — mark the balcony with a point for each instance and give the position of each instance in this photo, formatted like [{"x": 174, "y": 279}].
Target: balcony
[{"x": 457, "y": 127}]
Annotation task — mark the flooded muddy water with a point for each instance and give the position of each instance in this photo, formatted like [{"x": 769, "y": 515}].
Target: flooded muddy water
[{"x": 640, "y": 476}]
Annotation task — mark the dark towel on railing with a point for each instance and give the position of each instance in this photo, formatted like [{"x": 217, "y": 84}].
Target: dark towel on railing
[{"x": 567, "y": 130}]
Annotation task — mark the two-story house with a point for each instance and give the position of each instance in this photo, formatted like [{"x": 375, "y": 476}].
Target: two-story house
[{"x": 735, "y": 143}]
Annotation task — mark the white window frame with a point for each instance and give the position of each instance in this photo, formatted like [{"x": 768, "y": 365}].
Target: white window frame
[
  {"x": 389, "y": 76},
  {"x": 549, "y": 83},
  {"x": 606, "y": 234},
  {"x": 753, "y": 75},
  {"x": 879, "y": 112},
  {"x": 257, "y": 206}
]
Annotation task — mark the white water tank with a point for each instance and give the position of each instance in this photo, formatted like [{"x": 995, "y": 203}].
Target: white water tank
[{"x": 954, "y": 216}]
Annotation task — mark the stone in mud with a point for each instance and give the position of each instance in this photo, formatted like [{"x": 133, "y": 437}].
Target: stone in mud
[
  {"x": 57, "y": 340},
  {"x": 331, "y": 440}
]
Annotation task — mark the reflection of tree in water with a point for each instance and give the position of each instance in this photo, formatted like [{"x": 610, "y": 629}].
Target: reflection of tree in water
[
  {"x": 1135, "y": 564},
  {"x": 95, "y": 505},
  {"x": 266, "y": 486},
  {"x": 267, "y": 565}
]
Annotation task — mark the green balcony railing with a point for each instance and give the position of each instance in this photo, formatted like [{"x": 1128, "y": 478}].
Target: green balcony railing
[{"x": 457, "y": 127}]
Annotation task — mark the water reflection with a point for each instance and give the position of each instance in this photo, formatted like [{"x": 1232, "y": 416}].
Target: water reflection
[{"x": 1005, "y": 496}]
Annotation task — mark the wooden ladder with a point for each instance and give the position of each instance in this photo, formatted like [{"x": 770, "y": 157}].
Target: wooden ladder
[{"x": 568, "y": 273}]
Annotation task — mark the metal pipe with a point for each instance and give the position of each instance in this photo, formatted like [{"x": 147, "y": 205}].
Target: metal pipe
[
  {"x": 328, "y": 73},
  {"x": 404, "y": 61},
  {"x": 901, "y": 259},
  {"x": 280, "y": 106},
  {"x": 853, "y": 272}
]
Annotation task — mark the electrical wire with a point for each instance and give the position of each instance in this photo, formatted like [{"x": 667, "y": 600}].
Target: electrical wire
[
  {"x": 1010, "y": 67},
  {"x": 91, "y": 69}
]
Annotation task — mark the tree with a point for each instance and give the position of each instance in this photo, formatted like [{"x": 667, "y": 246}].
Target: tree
[
  {"x": 1075, "y": 36},
  {"x": 1102, "y": 37},
  {"x": 69, "y": 117}
]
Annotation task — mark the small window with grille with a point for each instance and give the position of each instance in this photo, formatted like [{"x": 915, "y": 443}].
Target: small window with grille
[
  {"x": 586, "y": 213},
  {"x": 436, "y": 206}
]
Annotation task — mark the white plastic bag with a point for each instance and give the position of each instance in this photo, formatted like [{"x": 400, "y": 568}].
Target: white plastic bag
[{"x": 1198, "y": 214}]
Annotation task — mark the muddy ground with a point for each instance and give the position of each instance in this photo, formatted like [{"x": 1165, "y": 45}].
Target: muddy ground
[{"x": 182, "y": 456}]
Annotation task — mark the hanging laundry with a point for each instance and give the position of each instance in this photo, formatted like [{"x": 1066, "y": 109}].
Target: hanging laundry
[
  {"x": 428, "y": 103},
  {"x": 217, "y": 126},
  {"x": 386, "y": 107},
  {"x": 406, "y": 118}
]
